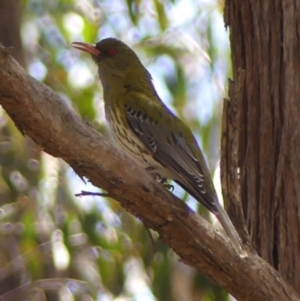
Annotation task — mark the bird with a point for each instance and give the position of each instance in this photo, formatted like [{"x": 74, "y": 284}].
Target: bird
[{"x": 147, "y": 131}]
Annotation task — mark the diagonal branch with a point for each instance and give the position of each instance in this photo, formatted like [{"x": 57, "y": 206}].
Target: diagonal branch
[{"x": 42, "y": 115}]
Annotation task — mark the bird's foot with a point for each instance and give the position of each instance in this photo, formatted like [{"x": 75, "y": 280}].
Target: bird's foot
[
  {"x": 163, "y": 181},
  {"x": 157, "y": 177},
  {"x": 169, "y": 186}
]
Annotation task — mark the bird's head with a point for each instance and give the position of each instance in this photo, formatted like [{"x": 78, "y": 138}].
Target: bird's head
[{"x": 115, "y": 60}]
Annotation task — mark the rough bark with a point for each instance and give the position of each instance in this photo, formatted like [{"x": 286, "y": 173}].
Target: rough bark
[
  {"x": 262, "y": 119},
  {"x": 42, "y": 115}
]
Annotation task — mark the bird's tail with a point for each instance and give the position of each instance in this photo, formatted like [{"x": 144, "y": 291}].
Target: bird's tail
[
  {"x": 226, "y": 223},
  {"x": 210, "y": 200}
]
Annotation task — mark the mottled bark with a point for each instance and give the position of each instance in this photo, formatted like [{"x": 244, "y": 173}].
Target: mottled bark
[{"x": 262, "y": 120}]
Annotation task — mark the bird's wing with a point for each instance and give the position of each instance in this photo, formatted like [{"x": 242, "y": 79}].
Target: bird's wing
[{"x": 173, "y": 145}]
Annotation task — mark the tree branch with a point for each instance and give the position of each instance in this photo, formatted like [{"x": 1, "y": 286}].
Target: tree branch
[{"x": 42, "y": 115}]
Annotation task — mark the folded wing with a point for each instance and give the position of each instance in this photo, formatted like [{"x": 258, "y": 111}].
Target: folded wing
[{"x": 173, "y": 145}]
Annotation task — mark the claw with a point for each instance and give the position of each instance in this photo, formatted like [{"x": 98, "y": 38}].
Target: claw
[{"x": 169, "y": 186}]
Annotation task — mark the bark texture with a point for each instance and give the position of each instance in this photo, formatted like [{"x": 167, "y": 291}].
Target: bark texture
[
  {"x": 42, "y": 115},
  {"x": 261, "y": 154}
]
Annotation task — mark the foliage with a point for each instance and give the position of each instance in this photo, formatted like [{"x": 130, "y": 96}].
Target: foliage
[{"x": 58, "y": 247}]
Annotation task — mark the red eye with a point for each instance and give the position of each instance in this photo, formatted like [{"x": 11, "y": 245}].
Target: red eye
[{"x": 112, "y": 51}]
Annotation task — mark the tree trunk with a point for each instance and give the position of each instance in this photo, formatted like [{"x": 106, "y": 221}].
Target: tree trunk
[
  {"x": 261, "y": 145},
  {"x": 10, "y": 23}
]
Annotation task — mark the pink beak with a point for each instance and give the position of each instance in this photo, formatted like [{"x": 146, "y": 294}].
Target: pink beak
[{"x": 89, "y": 48}]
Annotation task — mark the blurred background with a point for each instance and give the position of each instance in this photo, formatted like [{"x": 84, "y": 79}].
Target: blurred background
[{"x": 54, "y": 246}]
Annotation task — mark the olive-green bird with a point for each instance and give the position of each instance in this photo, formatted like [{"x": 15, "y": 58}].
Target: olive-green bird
[{"x": 147, "y": 131}]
